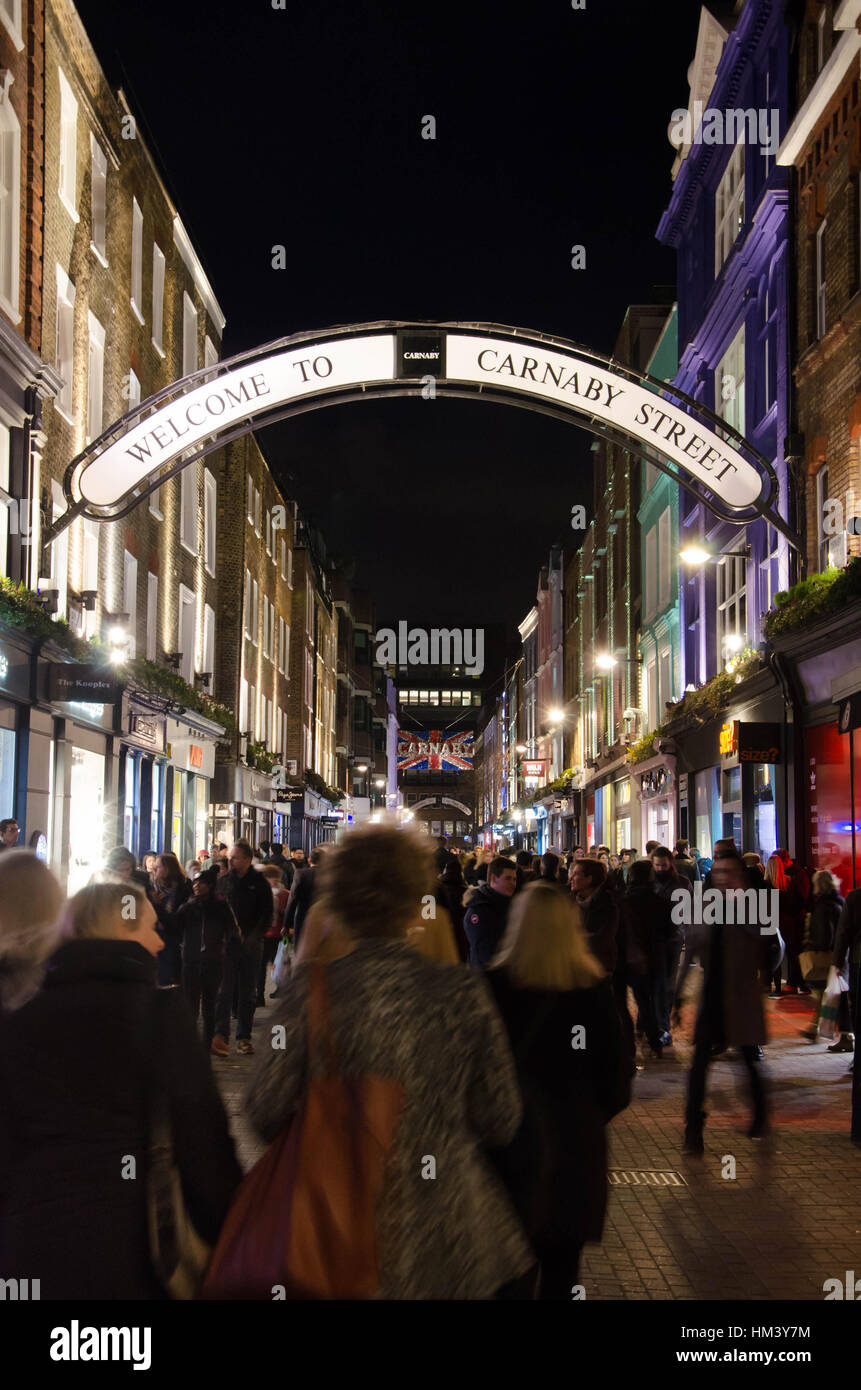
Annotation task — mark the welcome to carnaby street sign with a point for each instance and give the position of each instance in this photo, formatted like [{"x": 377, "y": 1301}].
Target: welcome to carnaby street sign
[{"x": 210, "y": 407}]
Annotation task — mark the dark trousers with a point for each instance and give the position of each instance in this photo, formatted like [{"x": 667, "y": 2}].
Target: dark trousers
[
  {"x": 705, "y": 1040},
  {"x": 201, "y": 981},
  {"x": 270, "y": 950},
  {"x": 241, "y": 971},
  {"x": 620, "y": 994},
  {"x": 649, "y": 990},
  {"x": 672, "y": 956},
  {"x": 559, "y": 1265}
]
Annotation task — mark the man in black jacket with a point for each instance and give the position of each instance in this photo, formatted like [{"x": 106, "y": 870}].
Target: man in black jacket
[
  {"x": 250, "y": 896},
  {"x": 206, "y": 926},
  {"x": 276, "y": 857},
  {"x": 487, "y": 912},
  {"x": 668, "y": 881},
  {"x": 302, "y": 895}
]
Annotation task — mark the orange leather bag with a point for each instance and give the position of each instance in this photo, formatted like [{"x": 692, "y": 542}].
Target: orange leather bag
[{"x": 304, "y": 1218}]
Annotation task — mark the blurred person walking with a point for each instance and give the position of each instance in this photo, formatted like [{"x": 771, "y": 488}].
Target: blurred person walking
[
  {"x": 250, "y": 897},
  {"x": 647, "y": 918},
  {"x": 450, "y": 894},
  {"x": 101, "y": 1041},
  {"x": 791, "y": 908},
  {"x": 575, "y": 1073},
  {"x": 433, "y": 1032},
  {"x": 817, "y": 947},
  {"x": 274, "y": 932},
  {"x": 667, "y": 882},
  {"x": 169, "y": 891},
  {"x": 206, "y": 926}
]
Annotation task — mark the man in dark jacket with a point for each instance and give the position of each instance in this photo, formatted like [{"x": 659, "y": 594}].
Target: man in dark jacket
[
  {"x": 685, "y": 865},
  {"x": 276, "y": 857},
  {"x": 847, "y": 951},
  {"x": 523, "y": 864},
  {"x": 302, "y": 895},
  {"x": 600, "y": 913},
  {"x": 250, "y": 897},
  {"x": 206, "y": 926},
  {"x": 667, "y": 882},
  {"x": 550, "y": 870},
  {"x": 487, "y": 912}
]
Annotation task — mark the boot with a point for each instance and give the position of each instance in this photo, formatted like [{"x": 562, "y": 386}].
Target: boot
[
  {"x": 845, "y": 1043},
  {"x": 694, "y": 1135}
]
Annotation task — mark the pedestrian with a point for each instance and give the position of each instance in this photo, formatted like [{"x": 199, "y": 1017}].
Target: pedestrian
[
  {"x": 817, "y": 947},
  {"x": 487, "y": 911},
  {"x": 791, "y": 911},
  {"x": 617, "y": 879},
  {"x": 449, "y": 895},
  {"x": 302, "y": 895},
  {"x": 263, "y": 851},
  {"x": 523, "y": 864},
  {"x": 685, "y": 865},
  {"x": 559, "y": 1012},
  {"x": 30, "y": 929},
  {"x": 276, "y": 857},
  {"x": 192, "y": 869},
  {"x": 650, "y": 845},
  {"x": 206, "y": 927},
  {"x": 93, "y": 1050},
  {"x": 730, "y": 1008},
  {"x": 755, "y": 869},
  {"x": 600, "y": 914},
  {"x": 551, "y": 869},
  {"x": 121, "y": 863},
  {"x": 646, "y": 917},
  {"x": 847, "y": 961},
  {"x": 9, "y": 833},
  {"x": 150, "y": 861},
  {"x": 433, "y": 1031},
  {"x": 669, "y": 884},
  {"x": 274, "y": 932},
  {"x": 169, "y": 891},
  {"x": 249, "y": 895}
]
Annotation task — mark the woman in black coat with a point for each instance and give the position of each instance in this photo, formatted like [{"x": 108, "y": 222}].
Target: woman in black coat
[
  {"x": 647, "y": 926},
  {"x": 575, "y": 1074},
  {"x": 450, "y": 890},
  {"x": 79, "y": 1065},
  {"x": 170, "y": 891}
]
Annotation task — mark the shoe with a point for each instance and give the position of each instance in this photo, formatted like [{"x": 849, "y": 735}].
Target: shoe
[
  {"x": 665, "y": 1040},
  {"x": 657, "y": 1052},
  {"x": 760, "y": 1129},
  {"x": 843, "y": 1044},
  {"x": 804, "y": 989},
  {"x": 220, "y": 1046},
  {"x": 246, "y": 1047},
  {"x": 760, "y": 1055},
  {"x": 811, "y": 1034},
  {"x": 693, "y": 1141},
  {"x": 775, "y": 994}
]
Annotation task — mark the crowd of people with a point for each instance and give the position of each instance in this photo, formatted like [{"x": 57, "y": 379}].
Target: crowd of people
[{"x": 509, "y": 998}]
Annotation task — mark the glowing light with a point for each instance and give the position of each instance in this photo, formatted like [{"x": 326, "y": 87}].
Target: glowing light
[
  {"x": 605, "y": 662},
  {"x": 694, "y": 555},
  {"x": 556, "y": 716},
  {"x": 733, "y": 642},
  {"x": 118, "y": 635}
]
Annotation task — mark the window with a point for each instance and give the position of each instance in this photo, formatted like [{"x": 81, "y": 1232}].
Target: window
[
  {"x": 252, "y": 710},
  {"x": 210, "y": 497},
  {"x": 90, "y": 560},
  {"x": 255, "y": 611},
  {"x": 157, "y": 298},
  {"x": 257, "y": 512},
  {"x": 309, "y": 612},
  {"x": 769, "y": 571},
  {"x": 283, "y": 558},
  {"x": 289, "y": 569},
  {"x": 664, "y": 558},
  {"x": 155, "y": 504},
  {"x": 186, "y": 633},
  {"x": 729, "y": 383},
  {"x": 831, "y": 548},
  {"x": 268, "y": 532},
  {"x": 248, "y": 627},
  {"x": 10, "y": 209},
  {"x": 652, "y": 693},
  {"x": 189, "y": 336},
  {"x": 130, "y": 597},
  {"x": 210, "y": 352},
  {"x": 651, "y": 574},
  {"x": 5, "y": 499},
  {"x": 189, "y": 508},
  {"x": 98, "y": 198},
  {"x": 250, "y": 505},
  {"x": 821, "y": 38},
  {"x": 10, "y": 16},
  {"x": 65, "y": 346},
  {"x": 243, "y": 706},
  {"x": 268, "y": 626},
  {"x": 68, "y": 146},
  {"x": 729, "y": 206},
  {"x": 95, "y": 377},
  {"x": 137, "y": 261},
  {"x": 820, "y": 281},
  {"x": 133, "y": 391},
  {"x": 731, "y": 593},
  {"x": 665, "y": 680},
  {"x": 59, "y": 550},
  {"x": 768, "y": 339},
  {"x": 151, "y": 615},
  {"x": 209, "y": 642}
]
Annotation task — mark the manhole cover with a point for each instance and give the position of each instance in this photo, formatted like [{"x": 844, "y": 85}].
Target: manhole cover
[{"x": 645, "y": 1177}]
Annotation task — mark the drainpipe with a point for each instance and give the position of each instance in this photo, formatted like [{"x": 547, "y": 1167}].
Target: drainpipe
[{"x": 792, "y": 700}]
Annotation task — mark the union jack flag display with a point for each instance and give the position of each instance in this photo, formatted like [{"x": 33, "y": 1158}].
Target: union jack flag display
[{"x": 433, "y": 750}]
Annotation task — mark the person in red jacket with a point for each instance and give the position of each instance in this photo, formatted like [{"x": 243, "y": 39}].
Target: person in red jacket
[{"x": 272, "y": 937}]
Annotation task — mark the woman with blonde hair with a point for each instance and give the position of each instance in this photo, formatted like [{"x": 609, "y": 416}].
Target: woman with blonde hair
[
  {"x": 558, "y": 1007},
  {"x": 85, "y": 1067},
  {"x": 430, "y": 1029},
  {"x": 30, "y": 928}
]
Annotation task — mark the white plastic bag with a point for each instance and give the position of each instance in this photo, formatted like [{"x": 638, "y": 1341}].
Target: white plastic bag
[{"x": 282, "y": 965}]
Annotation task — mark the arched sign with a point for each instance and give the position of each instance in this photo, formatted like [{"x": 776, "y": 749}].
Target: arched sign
[
  {"x": 210, "y": 407},
  {"x": 444, "y": 801}
]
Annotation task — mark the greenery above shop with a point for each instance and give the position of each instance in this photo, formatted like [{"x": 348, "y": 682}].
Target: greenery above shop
[
  {"x": 322, "y": 788},
  {"x": 21, "y": 608},
  {"x": 172, "y": 686},
  {"x": 816, "y": 597},
  {"x": 703, "y": 704}
]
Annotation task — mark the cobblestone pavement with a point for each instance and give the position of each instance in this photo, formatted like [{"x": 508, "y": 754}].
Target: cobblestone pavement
[{"x": 787, "y": 1221}]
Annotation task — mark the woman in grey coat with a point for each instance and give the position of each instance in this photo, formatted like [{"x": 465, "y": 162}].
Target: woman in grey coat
[{"x": 445, "y": 1226}]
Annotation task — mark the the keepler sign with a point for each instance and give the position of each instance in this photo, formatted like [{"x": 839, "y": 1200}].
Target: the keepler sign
[
  {"x": 107, "y": 473},
  {"x": 81, "y": 684}
]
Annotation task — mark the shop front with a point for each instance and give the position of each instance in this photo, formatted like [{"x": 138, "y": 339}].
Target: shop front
[
  {"x": 15, "y": 659},
  {"x": 142, "y": 777},
  {"x": 243, "y": 806},
  {"x": 189, "y": 771},
  {"x": 654, "y": 781}
]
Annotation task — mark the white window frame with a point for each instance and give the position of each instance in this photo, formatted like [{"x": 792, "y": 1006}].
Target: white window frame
[
  {"x": 10, "y": 18},
  {"x": 284, "y": 558},
  {"x": 158, "y": 299},
  {"x": 190, "y": 361},
  {"x": 209, "y": 642},
  {"x": 650, "y": 597},
  {"x": 664, "y": 555},
  {"x": 133, "y": 398},
  {"x": 821, "y": 270},
  {"x": 10, "y": 210},
  {"x": 210, "y": 352},
  {"x": 210, "y": 501},
  {"x": 249, "y": 506},
  {"x": 98, "y": 201},
  {"x": 130, "y": 598},
  {"x": 258, "y": 512},
  {"x": 651, "y": 683},
  {"x": 136, "y": 295},
  {"x": 730, "y": 383},
  {"x": 255, "y": 612},
  {"x": 729, "y": 206},
  {"x": 189, "y": 508},
  {"x": 64, "y": 402},
  {"x": 68, "y": 188},
  {"x": 151, "y": 616},
  {"x": 243, "y": 706},
  {"x": 60, "y": 551},
  {"x": 731, "y": 601},
  {"x": 186, "y": 599},
  {"x": 268, "y": 532},
  {"x": 95, "y": 378},
  {"x": 248, "y": 626}
]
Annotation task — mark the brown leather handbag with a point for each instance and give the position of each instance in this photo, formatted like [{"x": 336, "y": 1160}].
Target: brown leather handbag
[{"x": 304, "y": 1219}]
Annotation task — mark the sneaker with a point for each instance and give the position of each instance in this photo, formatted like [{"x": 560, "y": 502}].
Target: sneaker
[
  {"x": 775, "y": 994},
  {"x": 220, "y": 1046},
  {"x": 843, "y": 1044},
  {"x": 245, "y": 1046}
]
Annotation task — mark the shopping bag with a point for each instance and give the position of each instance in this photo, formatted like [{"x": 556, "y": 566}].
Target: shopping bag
[
  {"x": 815, "y": 966},
  {"x": 835, "y": 986},
  {"x": 282, "y": 965}
]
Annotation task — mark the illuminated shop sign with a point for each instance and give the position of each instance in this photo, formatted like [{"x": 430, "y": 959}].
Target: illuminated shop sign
[
  {"x": 754, "y": 743},
  {"x": 534, "y": 769}
]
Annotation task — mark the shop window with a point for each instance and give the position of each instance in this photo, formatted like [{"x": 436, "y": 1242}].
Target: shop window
[
  {"x": 86, "y": 819},
  {"x": 10, "y": 208},
  {"x": 189, "y": 335},
  {"x": 136, "y": 298},
  {"x": 7, "y": 772},
  {"x": 764, "y": 811},
  {"x": 157, "y": 299},
  {"x": 729, "y": 207},
  {"x": 132, "y": 802}
]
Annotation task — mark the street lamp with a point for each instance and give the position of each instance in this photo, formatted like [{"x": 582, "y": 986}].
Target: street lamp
[
  {"x": 556, "y": 716},
  {"x": 520, "y": 748},
  {"x": 696, "y": 555},
  {"x": 605, "y": 661}
]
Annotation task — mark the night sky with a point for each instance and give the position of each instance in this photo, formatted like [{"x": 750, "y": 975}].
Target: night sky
[{"x": 303, "y": 127}]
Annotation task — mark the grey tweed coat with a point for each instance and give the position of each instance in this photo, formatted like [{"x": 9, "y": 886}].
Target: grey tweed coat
[{"x": 435, "y": 1029}]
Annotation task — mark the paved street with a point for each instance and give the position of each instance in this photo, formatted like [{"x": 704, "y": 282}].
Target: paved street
[{"x": 788, "y": 1220}]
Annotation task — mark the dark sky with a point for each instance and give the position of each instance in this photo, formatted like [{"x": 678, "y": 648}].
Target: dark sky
[{"x": 303, "y": 127}]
